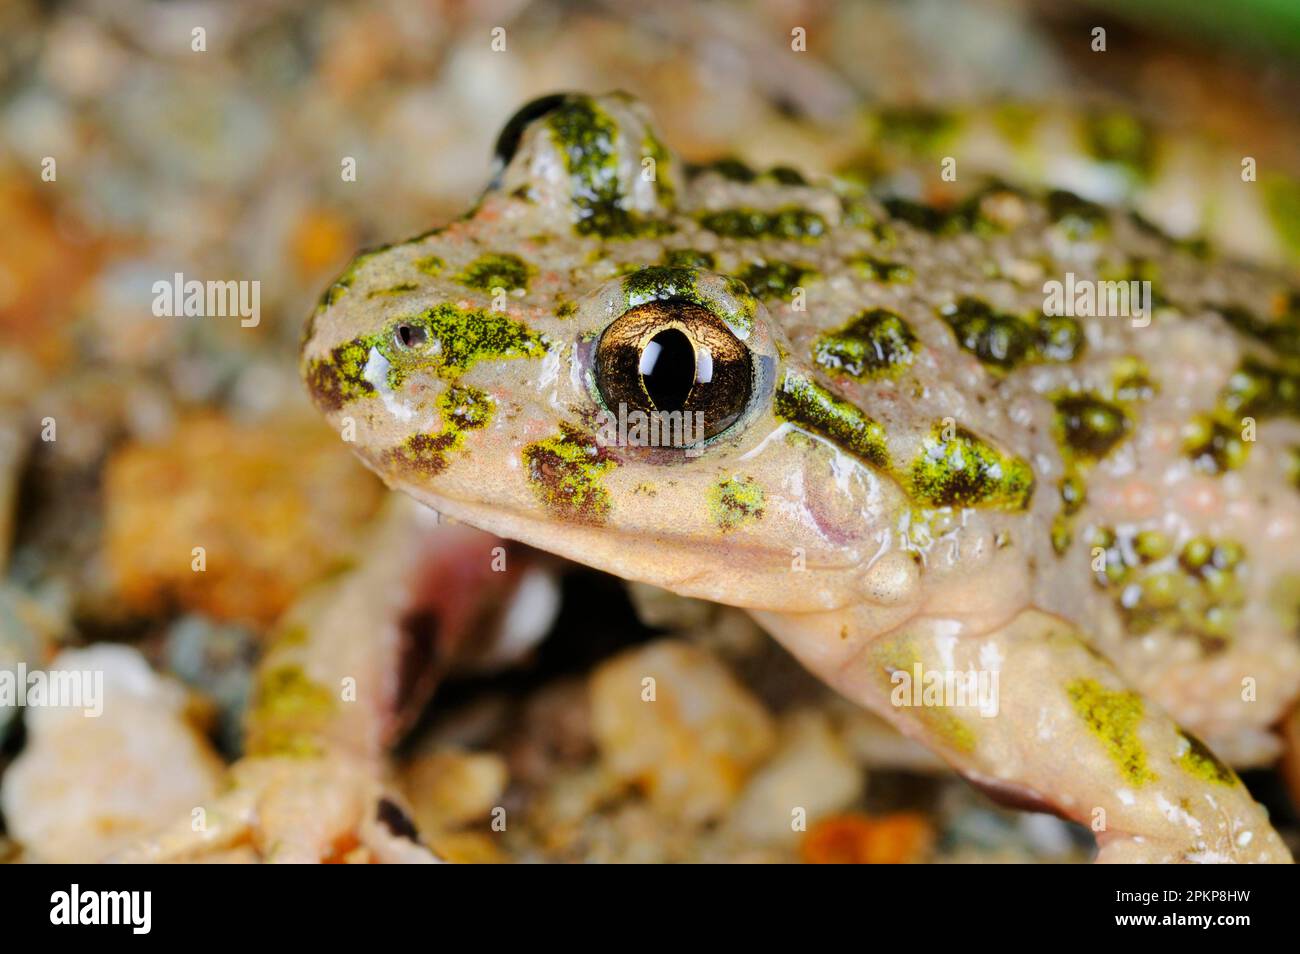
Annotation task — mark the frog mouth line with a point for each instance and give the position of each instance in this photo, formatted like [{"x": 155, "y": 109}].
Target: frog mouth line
[{"x": 608, "y": 550}]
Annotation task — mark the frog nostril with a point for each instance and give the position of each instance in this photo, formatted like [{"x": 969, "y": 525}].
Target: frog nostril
[{"x": 411, "y": 336}]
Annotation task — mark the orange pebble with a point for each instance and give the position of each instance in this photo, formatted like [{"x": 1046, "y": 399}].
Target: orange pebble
[
  {"x": 856, "y": 839},
  {"x": 273, "y": 507},
  {"x": 321, "y": 240}
]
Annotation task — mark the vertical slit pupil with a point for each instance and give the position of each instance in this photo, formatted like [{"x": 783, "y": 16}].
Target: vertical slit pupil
[{"x": 668, "y": 369}]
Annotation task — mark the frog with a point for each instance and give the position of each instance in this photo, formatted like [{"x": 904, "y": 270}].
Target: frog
[
  {"x": 1055, "y": 545},
  {"x": 885, "y": 437}
]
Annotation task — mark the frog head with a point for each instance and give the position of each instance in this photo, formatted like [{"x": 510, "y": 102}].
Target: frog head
[{"x": 580, "y": 363}]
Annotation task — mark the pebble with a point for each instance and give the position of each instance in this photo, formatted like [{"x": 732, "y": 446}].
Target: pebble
[{"x": 84, "y": 787}]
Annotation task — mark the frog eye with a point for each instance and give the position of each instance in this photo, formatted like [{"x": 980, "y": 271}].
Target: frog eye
[
  {"x": 675, "y": 356},
  {"x": 508, "y": 142},
  {"x": 410, "y": 337}
]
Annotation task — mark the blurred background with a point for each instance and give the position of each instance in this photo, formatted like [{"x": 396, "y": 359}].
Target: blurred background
[{"x": 225, "y": 164}]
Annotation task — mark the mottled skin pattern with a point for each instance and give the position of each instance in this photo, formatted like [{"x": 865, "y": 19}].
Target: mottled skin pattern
[{"x": 887, "y": 498}]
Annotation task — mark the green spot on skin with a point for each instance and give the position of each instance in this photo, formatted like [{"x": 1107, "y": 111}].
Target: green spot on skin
[
  {"x": 1198, "y": 760},
  {"x": 740, "y": 290},
  {"x": 565, "y": 309},
  {"x": 462, "y": 409},
  {"x": 286, "y": 691},
  {"x": 1130, "y": 268},
  {"x": 566, "y": 473},
  {"x": 287, "y": 743},
  {"x": 928, "y": 218},
  {"x": 340, "y": 378},
  {"x": 660, "y": 282},
  {"x": 810, "y": 406},
  {"x": 1057, "y": 338},
  {"x": 586, "y": 136},
  {"x": 393, "y": 290},
  {"x": 1004, "y": 341},
  {"x": 734, "y": 502},
  {"x": 977, "y": 213},
  {"x": 1113, "y": 716},
  {"x": 1195, "y": 592},
  {"x": 786, "y": 176},
  {"x": 1282, "y": 199},
  {"x": 1193, "y": 245},
  {"x": 881, "y": 270},
  {"x": 288, "y": 714},
  {"x": 680, "y": 283},
  {"x": 776, "y": 279},
  {"x": 735, "y": 170},
  {"x": 1062, "y": 535},
  {"x": 349, "y": 276},
  {"x": 1016, "y": 122},
  {"x": 953, "y": 731},
  {"x": 1114, "y": 568},
  {"x": 1074, "y": 492},
  {"x": 729, "y": 167},
  {"x": 920, "y": 131},
  {"x": 875, "y": 344},
  {"x": 465, "y": 408},
  {"x": 1197, "y": 554},
  {"x": 1151, "y": 545},
  {"x": 425, "y": 453},
  {"x": 457, "y": 339},
  {"x": 1132, "y": 379},
  {"x": 1257, "y": 390},
  {"x": 790, "y": 222},
  {"x": 497, "y": 270},
  {"x": 1214, "y": 445},
  {"x": 689, "y": 258},
  {"x": 1121, "y": 139},
  {"x": 997, "y": 339},
  {"x": 957, "y": 469},
  {"x": 1089, "y": 427},
  {"x": 890, "y": 657},
  {"x": 1214, "y": 441},
  {"x": 1281, "y": 335},
  {"x": 1078, "y": 218},
  {"x": 429, "y": 264},
  {"x": 857, "y": 212}
]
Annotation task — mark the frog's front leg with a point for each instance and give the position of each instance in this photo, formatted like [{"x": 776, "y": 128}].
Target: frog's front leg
[
  {"x": 350, "y": 668},
  {"x": 1031, "y": 713},
  {"x": 291, "y": 810}
]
